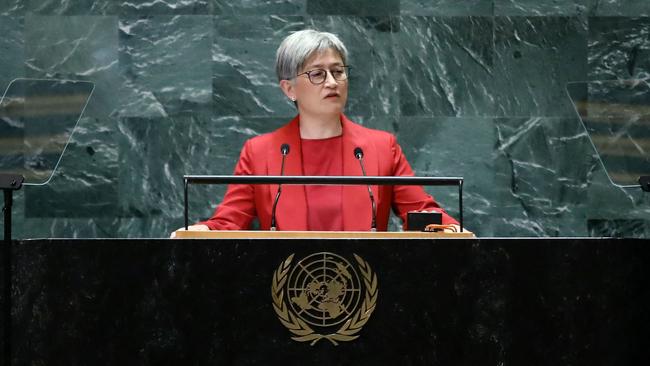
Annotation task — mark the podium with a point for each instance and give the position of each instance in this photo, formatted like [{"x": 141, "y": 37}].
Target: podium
[
  {"x": 257, "y": 234},
  {"x": 213, "y": 301}
]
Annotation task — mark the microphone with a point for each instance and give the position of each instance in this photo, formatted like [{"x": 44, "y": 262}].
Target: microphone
[
  {"x": 358, "y": 153},
  {"x": 284, "y": 150}
]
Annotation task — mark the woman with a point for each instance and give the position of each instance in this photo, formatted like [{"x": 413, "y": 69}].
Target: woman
[{"x": 313, "y": 73}]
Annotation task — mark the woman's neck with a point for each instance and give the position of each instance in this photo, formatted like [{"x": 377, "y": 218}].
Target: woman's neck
[{"x": 320, "y": 127}]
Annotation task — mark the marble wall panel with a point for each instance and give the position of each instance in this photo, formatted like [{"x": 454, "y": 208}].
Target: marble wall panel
[
  {"x": 175, "y": 7},
  {"x": 358, "y": 7},
  {"x": 447, "y": 7},
  {"x": 67, "y": 7},
  {"x": 243, "y": 65},
  {"x": 259, "y": 7},
  {"x": 155, "y": 153},
  {"x": 619, "y": 48},
  {"x": 544, "y": 7},
  {"x": 68, "y": 45},
  {"x": 76, "y": 48},
  {"x": 153, "y": 226},
  {"x": 551, "y": 162},
  {"x": 616, "y": 211},
  {"x": 27, "y": 224},
  {"x": 12, "y": 50},
  {"x": 70, "y": 227},
  {"x": 534, "y": 59},
  {"x": 373, "y": 83},
  {"x": 12, "y": 7},
  {"x": 457, "y": 147},
  {"x": 85, "y": 183},
  {"x": 445, "y": 66},
  {"x": 476, "y": 85},
  {"x": 390, "y": 123},
  {"x": 637, "y": 228},
  {"x": 630, "y": 8},
  {"x": 165, "y": 65}
]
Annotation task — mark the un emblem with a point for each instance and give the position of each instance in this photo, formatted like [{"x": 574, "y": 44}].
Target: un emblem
[{"x": 326, "y": 297}]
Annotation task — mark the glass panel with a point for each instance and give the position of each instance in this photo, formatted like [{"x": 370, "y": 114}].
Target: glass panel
[
  {"x": 616, "y": 115},
  {"x": 37, "y": 117}
]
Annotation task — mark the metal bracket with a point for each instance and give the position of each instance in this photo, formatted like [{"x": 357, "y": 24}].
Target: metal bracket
[
  {"x": 644, "y": 181},
  {"x": 11, "y": 181}
]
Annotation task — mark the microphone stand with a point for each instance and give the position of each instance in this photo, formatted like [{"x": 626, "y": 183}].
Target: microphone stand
[
  {"x": 284, "y": 150},
  {"x": 358, "y": 153},
  {"x": 8, "y": 183},
  {"x": 275, "y": 204}
]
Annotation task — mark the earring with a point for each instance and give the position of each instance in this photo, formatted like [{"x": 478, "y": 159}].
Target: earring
[{"x": 293, "y": 99}]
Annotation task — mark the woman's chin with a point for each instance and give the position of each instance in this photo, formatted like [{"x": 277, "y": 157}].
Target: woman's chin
[
  {"x": 332, "y": 111},
  {"x": 333, "y": 107}
]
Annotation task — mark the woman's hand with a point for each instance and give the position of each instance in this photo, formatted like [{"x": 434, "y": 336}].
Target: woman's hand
[
  {"x": 456, "y": 229},
  {"x": 191, "y": 228}
]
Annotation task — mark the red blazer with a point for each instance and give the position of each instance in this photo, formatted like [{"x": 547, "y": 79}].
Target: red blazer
[{"x": 261, "y": 156}]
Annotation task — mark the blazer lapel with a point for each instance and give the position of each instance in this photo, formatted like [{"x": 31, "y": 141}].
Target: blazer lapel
[
  {"x": 291, "y": 213},
  {"x": 357, "y": 208}
]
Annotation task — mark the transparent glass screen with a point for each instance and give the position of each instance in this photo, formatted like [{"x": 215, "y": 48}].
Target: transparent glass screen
[
  {"x": 37, "y": 118},
  {"x": 616, "y": 115}
]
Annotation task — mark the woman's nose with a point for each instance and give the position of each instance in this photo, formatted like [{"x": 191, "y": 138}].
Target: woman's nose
[{"x": 329, "y": 79}]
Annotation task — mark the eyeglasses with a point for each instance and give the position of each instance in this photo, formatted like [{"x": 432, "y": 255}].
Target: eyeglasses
[{"x": 318, "y": 76}]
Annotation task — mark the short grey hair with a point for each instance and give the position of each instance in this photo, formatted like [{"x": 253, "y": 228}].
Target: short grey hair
[{"x": 300, "y": 46}]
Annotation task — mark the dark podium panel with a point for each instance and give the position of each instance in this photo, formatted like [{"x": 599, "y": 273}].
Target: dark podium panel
[{"x": 440, "y": 302}]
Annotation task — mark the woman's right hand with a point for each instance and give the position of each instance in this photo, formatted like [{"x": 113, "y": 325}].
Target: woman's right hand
[{"x": 191, "y": 228}]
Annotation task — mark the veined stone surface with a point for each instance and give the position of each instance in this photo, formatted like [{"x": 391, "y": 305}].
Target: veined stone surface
[{"x": 471, "y": 88}]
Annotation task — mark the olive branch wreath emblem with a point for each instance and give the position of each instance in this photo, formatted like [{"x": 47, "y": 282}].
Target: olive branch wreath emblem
[{"x": 302, "y": 331}]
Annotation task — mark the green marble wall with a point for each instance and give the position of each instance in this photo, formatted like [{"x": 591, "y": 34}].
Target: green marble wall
[{"x": 471, "y": 88}]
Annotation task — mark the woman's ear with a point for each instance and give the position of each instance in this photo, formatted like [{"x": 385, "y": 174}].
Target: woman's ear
[{"x": 288, "y": 89}]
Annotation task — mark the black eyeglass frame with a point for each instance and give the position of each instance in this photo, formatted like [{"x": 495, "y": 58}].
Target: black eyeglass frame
[{"x": 308, "y": 73}]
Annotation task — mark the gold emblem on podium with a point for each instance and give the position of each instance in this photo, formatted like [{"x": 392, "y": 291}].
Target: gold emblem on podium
[{"x": 323, "y": 297}]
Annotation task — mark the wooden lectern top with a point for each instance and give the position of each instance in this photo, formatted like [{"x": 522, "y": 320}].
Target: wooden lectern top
[{"x": 257, "y": 234}]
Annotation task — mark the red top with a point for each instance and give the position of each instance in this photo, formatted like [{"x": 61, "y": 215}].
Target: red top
[
  {"x": 261, "y": 156},
  {"x": 324, "y": 203}
]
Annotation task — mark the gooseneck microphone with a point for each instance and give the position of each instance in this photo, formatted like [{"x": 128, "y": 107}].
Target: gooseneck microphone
[
  {"x": 284, "y": 150},
  {"x": 358, "y": 153}
]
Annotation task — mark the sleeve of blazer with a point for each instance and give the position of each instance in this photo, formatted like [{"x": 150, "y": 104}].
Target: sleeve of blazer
[
  {"x": 237, "y": 209},
  {"x": 410, "y": 198}
]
